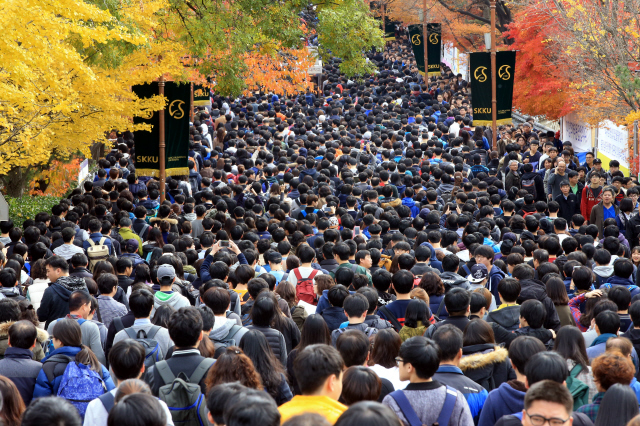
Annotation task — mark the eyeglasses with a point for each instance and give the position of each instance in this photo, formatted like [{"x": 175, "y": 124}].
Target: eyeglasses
[
  {"x": 537, "y": 420},
  {"x": 399, "y": 360}
]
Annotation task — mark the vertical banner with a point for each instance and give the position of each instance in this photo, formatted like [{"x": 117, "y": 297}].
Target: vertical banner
[
  {"x": 434, "y": 48},
  {"x": 415, "y": 35},
  {"x": 480, "y": 69},
  {"x": 505, "y": 70},
  {"x": 176, "y": 119},
  {"x": 200, "y": 96},
  {"x": 389, "y": 29}
]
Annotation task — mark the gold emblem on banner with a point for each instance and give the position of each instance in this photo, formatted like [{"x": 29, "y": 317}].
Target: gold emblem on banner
[
  {"x": 433, "y": 38},
  {"x": 479, "y": 74},
  {"x": 176, "y": 113},
  {"x": 503, "y": 72},
  {"x": 416, "y": 39}
]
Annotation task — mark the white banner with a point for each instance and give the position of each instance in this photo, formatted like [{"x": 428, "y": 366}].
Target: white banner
[
  {"x": 613, "y": 141},
  {"x": 576, "y": 132}
]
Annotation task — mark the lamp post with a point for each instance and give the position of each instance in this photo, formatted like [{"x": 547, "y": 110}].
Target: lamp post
[
  {"x": 425, "y": 39},
  {"x": 494, "y": 102},
  {"x": 162, "y": 144}
]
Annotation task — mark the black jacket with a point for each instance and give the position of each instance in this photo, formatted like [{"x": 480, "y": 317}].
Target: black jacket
[
  {"x": 487, "y": 364},
  {"x": 334, "y": 316},
  {"x": 535, "y": 289},
  {"x": 539, "y": 184},
  {"x": 55, "y": 300},
  {"x": 568, "y": 206},
  {"x": 541, "y": 334},
  {"x": 508, "y": 317},
  {"x": 276, "y": 342}
]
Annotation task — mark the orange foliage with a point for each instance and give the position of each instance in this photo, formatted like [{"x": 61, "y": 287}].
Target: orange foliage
[
  {"x": 284, "y": 73},
  {"x": 56, "y": 180}
]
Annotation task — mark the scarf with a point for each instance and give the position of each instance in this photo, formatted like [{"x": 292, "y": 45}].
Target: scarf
[{"x": 602, "y": 339}]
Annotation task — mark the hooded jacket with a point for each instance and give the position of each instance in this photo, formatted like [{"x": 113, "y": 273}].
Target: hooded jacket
[
  {"x": 55, "y": 300},
  {"x": 452, "y": 280},
  {"x": 541, "y": 334},
  {"x": 488, "y": 365},
  {"x": 221, "y": 329},
  {"x": 507, "y": 317},
  {"x": 409, "y": 202},
  {"x": 506, "y": 399},
  {"x": 589, "y": 200},
  {"x": 41, "y": 338},
  {"x": 602, "y": 274},
  {"x": 174, "y": 299},
  {"x": 626, "y": 282},
  {"x": 535, "y": 289},
  {"x": 538, "y": 182},
  {"x": 333, "y": 316},
  {"x": 128, "y": 234}
]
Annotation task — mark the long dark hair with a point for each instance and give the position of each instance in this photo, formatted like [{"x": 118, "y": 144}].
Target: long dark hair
[
  {"x": 569, "y": 343},
  {"x": 386, "y": 348},
  {"x": 478, "y": 332},
  {"x": 12, "y": 404},
  {"x": 314, "y": 331},
  {"x": 557, "y": 291},
  {"x": 255, "y": 346},
  {"x": 618, "y": 406},
  {"x": 68, "y": 332},
  {"x": 155, "y": 235},
  {"x": 417, "y": 311}
]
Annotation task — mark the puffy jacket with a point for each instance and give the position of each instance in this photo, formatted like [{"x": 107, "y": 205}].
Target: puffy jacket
[
  {"x": 46, "y": 388},
  {"x": 487, "y": 364},
  {"x": 508, "y": 317},
  {"x": 535, "y": 289},
  {"x": 276, "y": 342}
]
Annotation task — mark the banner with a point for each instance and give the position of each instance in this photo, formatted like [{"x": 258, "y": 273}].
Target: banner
[
  {"x": 200, "y": 95},
  {"x": 434, "y": 48},
  {"x": 505, "y": 68},
  {"x": 480, "y": 67},
  {"x": 415, "y": 35},
  {"x": 176, "y": 123},
  {"x": 389, "y": 29}
]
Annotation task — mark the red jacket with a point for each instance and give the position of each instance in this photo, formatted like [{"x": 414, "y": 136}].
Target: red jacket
[{"x": 588, "y": 201}]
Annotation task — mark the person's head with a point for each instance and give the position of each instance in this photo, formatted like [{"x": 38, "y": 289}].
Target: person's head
[
  {"x": 532, "y": 313},
  {"x": 360, "y": 383},
  {"x": 141, "y": 303},
  {"x": 56, "y": 267},
  {"x": 607, "y": 322},
  {"x": 353, "y": 346},
  {"x": 51, "y": 411},
  {"x": 569, "y": 343},
  {"x": 219, "y": 398},
  {"x": 318, "y": 369},
  {"x": 233, "y": 366},
  {"x": 509, "y": 290},
  {"x": 478, "y": 332},
  {"x": 545, "y": 402},
  {"x": 22, "y": 335},
  {"x": 137, "y": 409},
  {"x": 525, "y": 347},
  {"x": 11, "y": 403},
  {"x": 185, "y": 327},
  {"x": 457, "y": 302},
  {"x": 418, "y": 359},
  {"x": 611, "y": 368},
  {"x": 370, "y": 413},
  {"x": 251, "y": 406},
  {"x": 618, "y": 406},
  {"x": 546, "y": 366},
  {"x": 126, "y": 360},
  {"x": 264, "y": 310},
  {"x": 449, "y": 339}
]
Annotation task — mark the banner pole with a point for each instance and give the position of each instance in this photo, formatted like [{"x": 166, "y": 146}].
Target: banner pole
[
  {"x": 494, "y": 102},
  {"x": 162, "y": 145},
  {"x": 425, "y": 39},
  {"x": 191, "y": 113}
]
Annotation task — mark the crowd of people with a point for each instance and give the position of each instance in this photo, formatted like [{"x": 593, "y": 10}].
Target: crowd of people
[{"x": 363, "y": 256}]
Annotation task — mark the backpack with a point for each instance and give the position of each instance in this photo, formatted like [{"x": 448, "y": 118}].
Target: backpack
[
  {"x": 390, "y": 316},
  {"x": 143, "y": 230},
  {"x": 530, "y": 186},
  {"x": 97, "y": 252},
  {"x": 412, "y": 418},
  {"x": 228, "y": 340},
  {"x": 151, "y": 346},
  {"x": 579, "y": 390},
  {"x": 525, "y": 214},
  {"x": 79, "y": 384},
  {"x": 370, "y": 331},
  {"x": 304, "y": 286},
  {"x": 183, "y": 395}
]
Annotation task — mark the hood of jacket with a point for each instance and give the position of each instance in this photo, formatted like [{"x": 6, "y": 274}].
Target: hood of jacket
[
  {"x": 41, "y": 336},
  {"x": 507, "y": 316},
  {"x": 615, "y": 280},
  {"x": 171, "y": 221},
  {"x": 603, "y": 271},
  {"x": 190, "y": 216},
  {"x": 532, "y": 289},
  {"x": 64, "y": 286},
  {"x": 408, "y": 201},
  {"x": 221, "y": 328},
  {"x": 530, "y": 175},
  {"x": 10, "y": 292},
  {"x": 162, "y": 299},
  {"x": 482, "y": 356},
  {"x": 446, "y": 187},
  {"x": 70, "y": 351},
  {"x": 452, "y": 279},
  {"x": 509, "y": 397},
  {"x": 390, "y": 202}
]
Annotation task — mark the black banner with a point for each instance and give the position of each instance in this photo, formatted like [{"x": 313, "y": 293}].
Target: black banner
[
  {"x": 480, "y": 66},
  {"x": 415, "y": 35},
  {"x": 201, "y": 95},
  {"x": 505, "y": 70},
  {"x": 480, "y": 70},
  {"x": 389, "y": 29},
  {"x": 434, "y": 48},
  {"x": 176, "y": 119}
]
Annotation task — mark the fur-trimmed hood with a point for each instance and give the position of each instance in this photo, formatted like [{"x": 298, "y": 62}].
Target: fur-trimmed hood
[
  {"x": 483, "y": 359},
  {"x": 4, "y": 332},
  {"x": 168, "y": 219}
]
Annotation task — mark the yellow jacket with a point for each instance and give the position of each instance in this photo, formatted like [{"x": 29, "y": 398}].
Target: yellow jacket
[{"x": 323, "y": 405}]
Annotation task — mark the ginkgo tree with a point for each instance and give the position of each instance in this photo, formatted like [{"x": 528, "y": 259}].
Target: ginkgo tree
[{"x": 66, "y": 70}]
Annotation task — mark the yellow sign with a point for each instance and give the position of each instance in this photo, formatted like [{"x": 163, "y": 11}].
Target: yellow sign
[
  {"x": 433, "y": 38},
  {"x": 416, "y": 39},
  {"x": 479, "y": 74},
  {"x": 503, "y": 72},
  {"x": 179, "y": 113}
]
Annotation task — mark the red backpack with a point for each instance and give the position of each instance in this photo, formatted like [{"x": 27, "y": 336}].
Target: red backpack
[{"x": 304, "y": 286}]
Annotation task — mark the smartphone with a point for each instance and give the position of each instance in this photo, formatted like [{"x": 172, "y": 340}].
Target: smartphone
[
  {"x": 326, "y": 209},
  {"x": 356, "y": 230},
  {"x": 224, "y": 243}
]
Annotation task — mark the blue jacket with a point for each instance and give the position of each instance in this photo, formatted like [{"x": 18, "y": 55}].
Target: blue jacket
[
  {"x": 495, "y": 276},
  {"x": 627, "y": 282},
  {"x": 18, "y": 365},
  {"x": 409, "y": 202},
  {"x": 95, "y": 237},
  {"x": 46, "y": 388},
  {"x": 500, "y": 402},
  {"x": 334, "y": 316},
  {"x": 323, "y": 302},
  {"x": 475, "y": 394}
]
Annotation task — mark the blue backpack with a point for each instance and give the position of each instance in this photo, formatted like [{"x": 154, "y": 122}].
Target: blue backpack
[
  {"x": 79, "y": 385},
  {"x": 412, "y": 418}
]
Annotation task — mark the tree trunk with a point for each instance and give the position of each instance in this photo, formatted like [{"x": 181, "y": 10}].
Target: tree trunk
[{"x": 15, "y": 182}]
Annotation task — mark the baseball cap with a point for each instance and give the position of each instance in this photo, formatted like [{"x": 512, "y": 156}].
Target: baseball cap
[
  {"x": 597, "y": 161},
  {"x": 166, "y": 274},
  {"x": 367, "y": 135},
  {"x": 333, "y": 221},
  {"x": 478, "y": 273},
  {"x": 132, "y": 244}
]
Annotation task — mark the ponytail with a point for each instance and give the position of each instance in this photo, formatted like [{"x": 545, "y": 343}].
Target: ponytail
[{"x": 87, "y": 357}]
